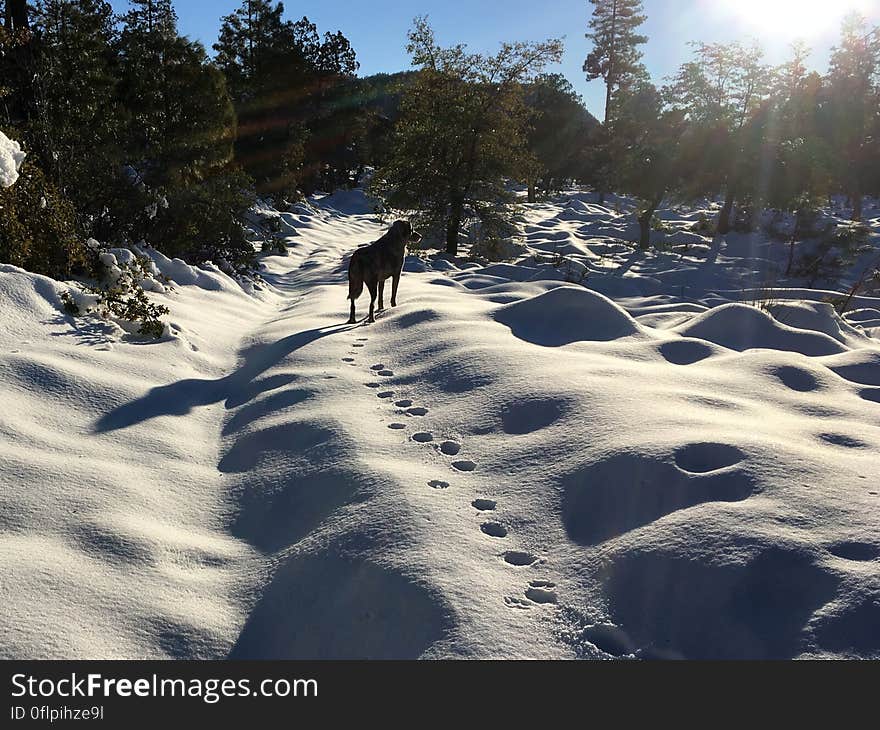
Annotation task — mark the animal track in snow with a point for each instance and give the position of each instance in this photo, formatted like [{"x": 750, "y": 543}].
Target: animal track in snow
[
  {"x": 373, "y": 385},
  {"x": 348, "y": 359},
  {"x": 357, "y": 344},
  {"x": 423, "y": 437},
  {"x": 417, "y": 412},
  {"x": 514, "y": 602},
  {"x": 519, "y": 558},
  {"x": 494, "y": 529},
  {"x": 396, "y": 426},
  {"x": 403, "y": 403},
  {"x": 438, "y": 484},
  {"x": 377, "y": 367},
  {"x": 450, "y": 448},
  {"x": 386, "y": 394},
  {"x": 484, "y": 505},
  {"x": 541, "y": 591},
  {"x": 466, "y": 465},
  {"x": 609, "y": 638}
]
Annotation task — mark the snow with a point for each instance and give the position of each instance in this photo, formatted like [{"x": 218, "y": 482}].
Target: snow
[
  {"x": 587, "y": 451},
  {"x": 11, "y": 158}
]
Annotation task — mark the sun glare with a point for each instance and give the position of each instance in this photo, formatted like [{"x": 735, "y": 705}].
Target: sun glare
[{"x": 795, "y": 18}]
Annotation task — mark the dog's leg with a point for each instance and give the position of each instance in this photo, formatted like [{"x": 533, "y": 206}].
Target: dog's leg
[
  {"x": 381, "y": 295},
  {"x": 394, "y": 284},
  {"x": 373, "y": 291},
  {"x": 352, "y": 320}
]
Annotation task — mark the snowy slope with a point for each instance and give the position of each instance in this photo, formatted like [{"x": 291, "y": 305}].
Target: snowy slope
[{"x": 508, "y": 464}]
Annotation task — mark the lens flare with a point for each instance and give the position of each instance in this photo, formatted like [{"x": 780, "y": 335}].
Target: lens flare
[{"x": 795, "y": 18}]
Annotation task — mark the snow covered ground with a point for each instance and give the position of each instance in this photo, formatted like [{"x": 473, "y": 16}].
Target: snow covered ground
[{"x": 589, "y": 452}]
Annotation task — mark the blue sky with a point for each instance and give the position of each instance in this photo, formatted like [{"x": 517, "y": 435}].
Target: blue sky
[{"x": 377, "y": 28}]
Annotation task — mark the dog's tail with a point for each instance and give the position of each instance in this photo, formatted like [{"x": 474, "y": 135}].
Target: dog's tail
[{"x": 355, "y": 277}]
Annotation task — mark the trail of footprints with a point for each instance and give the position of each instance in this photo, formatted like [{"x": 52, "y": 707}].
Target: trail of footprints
[{"x": 538, "y": 592}]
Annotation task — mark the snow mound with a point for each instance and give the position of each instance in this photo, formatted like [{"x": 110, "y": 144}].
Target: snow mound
[
  {"x": 742, "y": 327},
  {"x": 11, "y": 158},
  {"x": 26, "y": 299},
  {"x": 818, "y": 317},
  {"x": 565, "y": 315}
]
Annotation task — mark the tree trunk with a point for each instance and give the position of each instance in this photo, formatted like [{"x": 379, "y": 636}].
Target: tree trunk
[
  {"x": 533, "y": 195},
  {"x": 17, "y": 15},
  {"x": 452, "y": 227},
  {"x": 856, "y": 205},
  {"x": 726, "y": 211},
  {"x": 645, "y": 224}
]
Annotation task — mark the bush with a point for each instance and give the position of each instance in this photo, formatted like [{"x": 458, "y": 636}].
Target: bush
[
  {"x": 203, "y": 222},
  {"x": 121, "y": 295},
  {"x": 38, "y": 227}
]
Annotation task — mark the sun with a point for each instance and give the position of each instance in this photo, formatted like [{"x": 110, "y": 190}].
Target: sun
[{"x": 795, "y": 18}]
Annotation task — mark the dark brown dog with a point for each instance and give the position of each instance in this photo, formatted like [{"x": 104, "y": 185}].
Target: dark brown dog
[{"x": 373, "y": 264}]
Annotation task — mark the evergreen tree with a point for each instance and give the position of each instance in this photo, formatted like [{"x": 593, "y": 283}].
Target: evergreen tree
[
  {"x": 561, "y": 128},
  {"x": 296, "y": 129},
  {"x": 180, "y": 140},
  {"x": 719, "y": 91},
  {"x": 615, "y": 57},
  {"x": 852, "y": 108},
  {"x": 77, "y": 119},
  {"x": 268, "y": 63},
  {"x": 462, "y": 131},
  {"x": 800, "y": 158},
  {"x": 651, "y": 162}
]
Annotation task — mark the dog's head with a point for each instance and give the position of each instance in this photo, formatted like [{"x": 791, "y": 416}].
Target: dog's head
[{"x": 405, "y": 231}]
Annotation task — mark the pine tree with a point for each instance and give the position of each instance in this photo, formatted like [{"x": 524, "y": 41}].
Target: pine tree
[
  {"x": 268, "y": 63},
  {"x": 853, "y": 92},
  {"x": 77, "y": 120},
  {"x": 462, "y": 131},
  {"x": 615, "y": 57},
  {"x": 180, "y": 140},
  {"x": 720, "y": 90},
  {"x": 651, "y": 159},
  {"x": 561, "y": 128}
]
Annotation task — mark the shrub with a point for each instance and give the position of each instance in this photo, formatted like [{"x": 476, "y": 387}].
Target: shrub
[
  {"x": 121, "y": 295},
  {"x": 38, "y": 227}
]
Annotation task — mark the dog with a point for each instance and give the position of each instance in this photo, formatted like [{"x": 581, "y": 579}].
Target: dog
[{"x": 373, "y": 264}]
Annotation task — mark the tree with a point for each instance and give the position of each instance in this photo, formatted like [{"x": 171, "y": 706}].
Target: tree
[
  {"x": 799, "y": 160},
  {"x": 615, "y": 57},
  {"x": 285, "y": 84},
  {"x": 651, "y": 163},
  {"x": 76, "y": 125},
  {"x": 179, "y": 140},
  {"x": 462, "y": 131},
  {"x": 560, "y": 129},
  {"x": 852, "y": 107},
  {"x": 719, "y": 91}
]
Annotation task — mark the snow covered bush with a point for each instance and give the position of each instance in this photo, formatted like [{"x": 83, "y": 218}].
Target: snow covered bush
[
  {"x": 120, "y": 295},
  {"x": 11, "y": 158}
]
